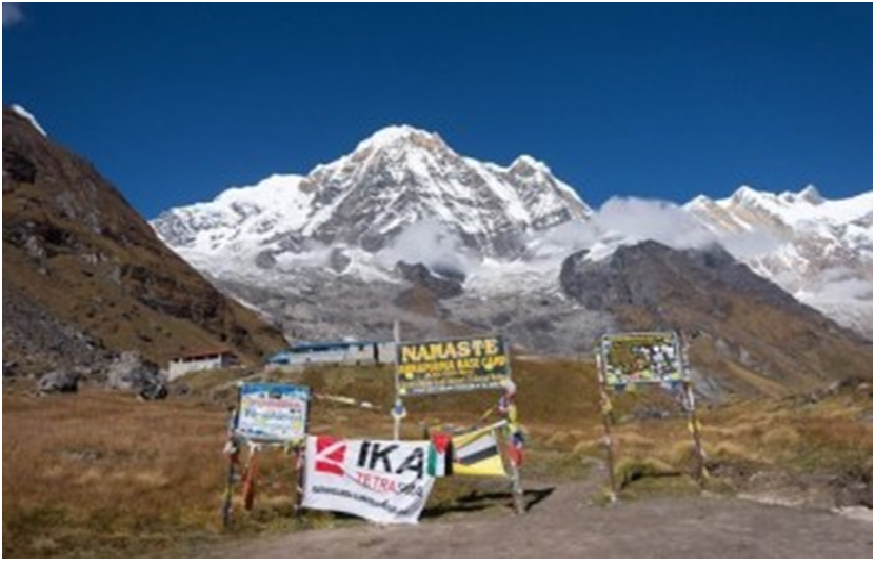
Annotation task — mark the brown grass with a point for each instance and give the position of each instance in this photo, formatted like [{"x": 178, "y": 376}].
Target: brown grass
[
  {"x": 99, "y": 465},
  {"x": 102, "y": 474}
]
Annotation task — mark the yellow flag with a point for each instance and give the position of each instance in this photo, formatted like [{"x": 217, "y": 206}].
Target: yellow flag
[{"x": 477, "y": 453}]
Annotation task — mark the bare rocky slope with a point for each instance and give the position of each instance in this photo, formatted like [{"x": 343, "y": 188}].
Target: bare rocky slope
[
  {"x": 85, "y": 277},
  {"x": 748, "y": 335}
]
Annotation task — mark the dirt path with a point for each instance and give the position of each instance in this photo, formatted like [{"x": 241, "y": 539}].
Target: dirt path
[{"x": 565, "y": 525}]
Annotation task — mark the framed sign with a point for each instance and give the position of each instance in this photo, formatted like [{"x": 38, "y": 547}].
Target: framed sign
[
  {"x": 634, "y": 358},
  {"x": 273, "y": 412},
  {"x": 432, "y": 367}
]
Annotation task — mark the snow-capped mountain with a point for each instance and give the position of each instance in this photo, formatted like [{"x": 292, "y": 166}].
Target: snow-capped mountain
[
  {"x": 398, "y": 177},
  {"x": 404, "y": 195},
  {"x": 821, "y": 250}
]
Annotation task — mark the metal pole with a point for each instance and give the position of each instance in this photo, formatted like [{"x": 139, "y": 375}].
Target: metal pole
[{"x": 396, "y": 432}]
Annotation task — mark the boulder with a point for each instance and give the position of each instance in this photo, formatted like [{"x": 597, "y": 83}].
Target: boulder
[
  {"x": 130, "y": 372},
  {"x": 59, "y": 382},
  {"x": 153, "y": 391},
  {"x": 445, "y": 285},
  {"x": 10, "y": 368},
  {"x": 338, "y": 260}
]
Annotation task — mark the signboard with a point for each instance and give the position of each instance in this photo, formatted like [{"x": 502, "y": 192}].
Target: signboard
[
  {"x": 633, "y": 358},
  {"x": 386, "y": 481},
  {"x": 273, "y": 412},
  {"x": 477, "y": 363}
]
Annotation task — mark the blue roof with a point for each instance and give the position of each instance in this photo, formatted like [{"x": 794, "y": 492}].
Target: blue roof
[{"x": 308, "y": 346}]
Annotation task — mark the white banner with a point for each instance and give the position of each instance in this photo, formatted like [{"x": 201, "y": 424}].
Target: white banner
[{"x": 380, "y": 480}]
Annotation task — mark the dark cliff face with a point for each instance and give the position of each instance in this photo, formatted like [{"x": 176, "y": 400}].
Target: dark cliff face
[
  {"x": 445, "y": 283},
  {"x": 76, "y": 255},
  {"x": 745, "y": 324},
  {"x": 649, "y": 274}
]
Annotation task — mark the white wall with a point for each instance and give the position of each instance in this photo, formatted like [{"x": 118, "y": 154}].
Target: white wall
[{"x": 178, "y": 367}]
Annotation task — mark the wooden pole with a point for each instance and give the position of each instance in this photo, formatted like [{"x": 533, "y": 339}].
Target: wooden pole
[
  {"x": 606, "y": 407},
  {"x": 516, "y": 482},
  {"x": 684, "y": 355},
  {"x": 227, "y": 505},
  {"x": 299, "y": 477},
  {"x": 249, "y": 479},
  {"x": 517, "y": 487},
  {"x": 300, "y": 456},
  {"x": 694, "y": 429}
]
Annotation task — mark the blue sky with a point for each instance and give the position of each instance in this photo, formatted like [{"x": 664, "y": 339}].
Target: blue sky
[{"x": 174, "y": 102}]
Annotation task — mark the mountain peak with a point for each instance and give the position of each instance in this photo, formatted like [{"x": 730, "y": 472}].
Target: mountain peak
[
  {"x": 745, "y": 193},
  {"x": 811, "y": 194},
  {"x": 397, "y": 177},
  {"x": 394, "y": 135},
  {"x": 526, "y": 165}
]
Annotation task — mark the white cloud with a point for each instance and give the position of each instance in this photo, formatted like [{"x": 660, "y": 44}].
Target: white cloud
[
  {"x": 11, "y": 13},
  {"x": 430, "y": 243},
  {"x": 840, "y": 284},
  {"x": 626, "y": 221},
  {"x": 641, "y": 219}
]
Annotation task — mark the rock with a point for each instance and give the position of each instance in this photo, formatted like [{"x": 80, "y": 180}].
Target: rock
[
  {"x": 265, "y": 260},
  {"x": 181, "y": 389},
  {"x": 441, "y": 286},
  {"x": 723, "y": 349},
  {"x": 58, "y": 382},
  {"x": 130, "y": 372},
  {"x": 10, "y": 368},
  {"x": 18, "y": 167},
  {"x": 745, "y": 358},
  {"x": 502, "y": 319},
  {"x": 852, "y": 488},
  {"x": 643, "y": 412},
  {"x": 338, "y": 260},
  {"x": 34, "y": 247},
  {"x": 153, "y": 391}
]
